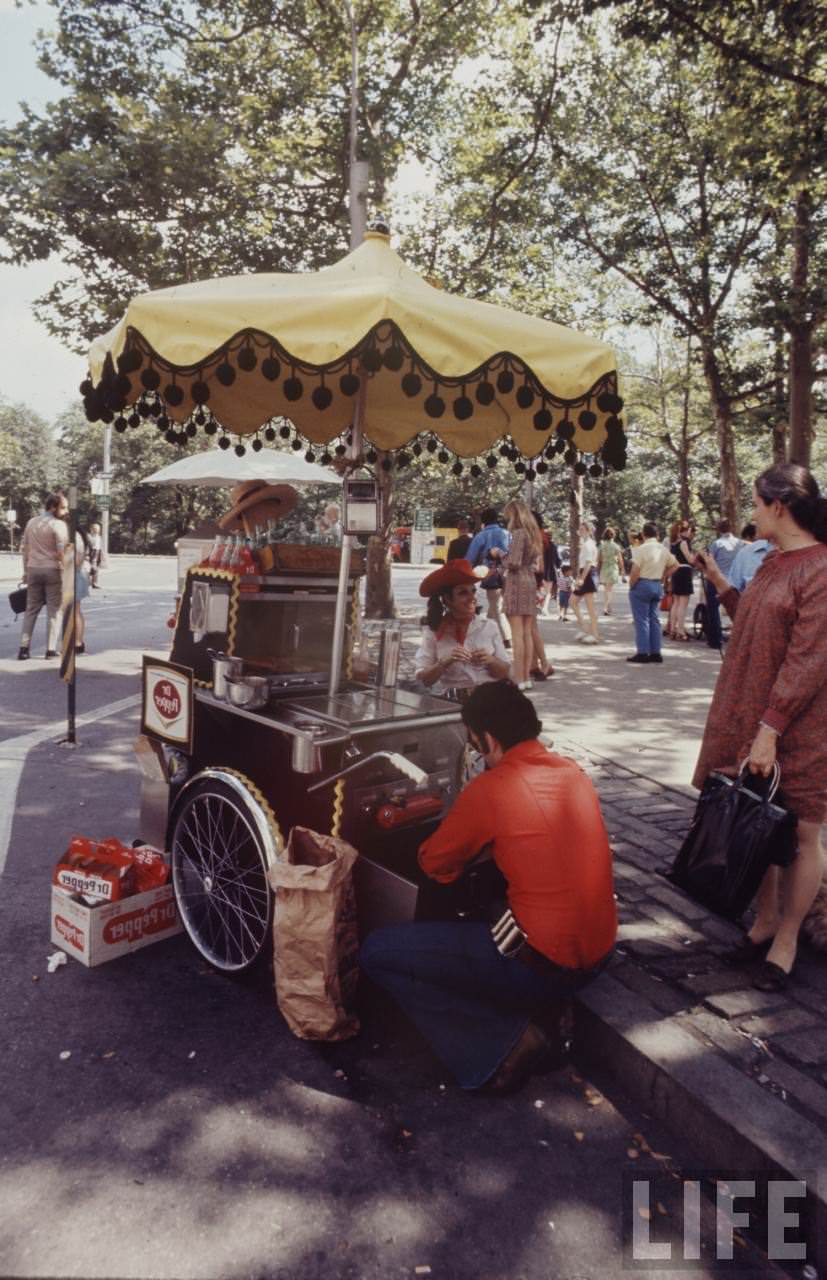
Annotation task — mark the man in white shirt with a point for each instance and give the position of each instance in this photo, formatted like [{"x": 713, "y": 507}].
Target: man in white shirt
[
  {"x": 42, "y": 545},
  {"x": 650, "y": 562}
]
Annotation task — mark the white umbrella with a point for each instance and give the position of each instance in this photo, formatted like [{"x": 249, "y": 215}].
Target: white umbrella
[{"x": 222, "y": 467}]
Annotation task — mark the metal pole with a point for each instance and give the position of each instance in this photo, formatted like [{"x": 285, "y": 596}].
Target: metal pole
[
  {"x": 107, "y": 466},
  {"x": 358, "y": 170},
  {"x": 357, "y": 181},
  {"x": 348, "y": 543},
  {"x": 69, "y": 619}
]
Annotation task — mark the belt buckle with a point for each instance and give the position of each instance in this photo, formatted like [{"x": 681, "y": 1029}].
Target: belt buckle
[{"x": 508, "y": 937}]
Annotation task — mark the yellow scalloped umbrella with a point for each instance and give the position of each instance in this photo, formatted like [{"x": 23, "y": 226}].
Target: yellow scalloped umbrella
[{"x": 232, "y": 354}]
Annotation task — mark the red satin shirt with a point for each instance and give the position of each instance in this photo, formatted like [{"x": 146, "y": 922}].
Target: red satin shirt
[{"x": 541, "y": 814}]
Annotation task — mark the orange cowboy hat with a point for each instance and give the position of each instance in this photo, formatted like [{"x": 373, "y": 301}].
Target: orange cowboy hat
[
  {"x": 455, "y": 573},
  {"x": 256, "y": 500}
]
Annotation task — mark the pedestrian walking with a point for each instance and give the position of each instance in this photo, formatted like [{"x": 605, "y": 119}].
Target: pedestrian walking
[
  {"x": 610, "y": 567},
  {"x": 42, "y": 545},
  {"x": 94, "y": 553},
  {"x": 723, "y": 551},
  {"x": 565, "y": 586},
  {"x": 680, "y": 545},
  {"x": 748, "y": 558},
  {"x": 650, "y": 563},
  {"x": 586, "y": 588},
  {"x": 521, "y": 563},
  {"x": 458, "y": 546},
  {"x": 770, "y": 701},
  {"x": 491, "y": 538}
]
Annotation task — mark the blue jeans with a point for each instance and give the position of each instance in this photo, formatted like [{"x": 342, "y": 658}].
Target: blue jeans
[
  {"x": 713, "y": 617},
  {"x": 645, "y": 597},
  {"x": 469, "y": 1002}
]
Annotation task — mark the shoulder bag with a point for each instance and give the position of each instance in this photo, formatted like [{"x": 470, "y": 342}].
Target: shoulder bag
[
  {"x": 737, "y": 833},
  {"x": 17, "y": 600}
]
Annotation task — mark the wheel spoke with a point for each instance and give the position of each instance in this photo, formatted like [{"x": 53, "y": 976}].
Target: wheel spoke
[{"x": 220, "y": 877}]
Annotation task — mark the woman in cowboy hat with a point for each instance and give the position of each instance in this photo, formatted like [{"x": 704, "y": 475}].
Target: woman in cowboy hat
[{"x": 458, "y": 649}]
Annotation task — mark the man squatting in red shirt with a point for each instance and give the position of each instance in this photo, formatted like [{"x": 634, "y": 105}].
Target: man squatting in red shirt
[{"x": 540, "y": 815}]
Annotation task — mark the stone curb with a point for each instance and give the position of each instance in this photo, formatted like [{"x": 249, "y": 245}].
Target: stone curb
[{"x": 733, "y": 1124}]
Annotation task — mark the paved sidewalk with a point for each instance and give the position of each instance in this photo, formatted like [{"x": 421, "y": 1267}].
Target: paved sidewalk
[{"x": 740, "y": 1072}]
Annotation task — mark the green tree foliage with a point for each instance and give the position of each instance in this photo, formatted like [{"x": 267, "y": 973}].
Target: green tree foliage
[
  {"x": 145, "y": 518},
  {"x": 27, "y": 461},
  {"x": 206, "y": 138},
  {"x": 771, "y": 61}
]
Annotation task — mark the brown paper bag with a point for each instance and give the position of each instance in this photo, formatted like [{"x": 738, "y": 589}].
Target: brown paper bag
[{"x": 315, "y": 942}]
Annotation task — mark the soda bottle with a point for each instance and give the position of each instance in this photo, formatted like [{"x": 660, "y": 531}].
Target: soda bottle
[
  {"x": 247, "y": 561},
  {"x": 216, "y": 555}
]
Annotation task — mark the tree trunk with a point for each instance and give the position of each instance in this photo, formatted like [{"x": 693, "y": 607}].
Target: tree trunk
[
  {"x": 722, "y": 409},
  {"x": 801, "y": 336},
  {"x": 379, "y": 601},
  {"x": 683, "y": 453},
  {"x": 575, "y": 519},
  {"x": 779, "y": 422}
]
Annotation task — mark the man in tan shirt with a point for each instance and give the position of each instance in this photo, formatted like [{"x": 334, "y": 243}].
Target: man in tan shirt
[
  {"x": 650, "y": 561},
  {"x": 44, "y": 540}
]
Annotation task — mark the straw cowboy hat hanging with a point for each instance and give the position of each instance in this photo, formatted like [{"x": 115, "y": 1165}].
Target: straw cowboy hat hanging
[
  {"x": 299, "y": 356},
  {"x": 254, "y": 502}
]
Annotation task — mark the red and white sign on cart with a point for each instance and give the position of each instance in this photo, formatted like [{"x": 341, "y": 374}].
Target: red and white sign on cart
[{"x": 167, "y": 702}]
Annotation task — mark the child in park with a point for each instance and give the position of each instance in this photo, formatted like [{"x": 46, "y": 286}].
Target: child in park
[{"x": 565, "y": 586}]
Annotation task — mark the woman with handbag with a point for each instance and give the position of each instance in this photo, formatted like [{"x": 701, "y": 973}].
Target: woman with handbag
[{"x": 770, "y": 702}]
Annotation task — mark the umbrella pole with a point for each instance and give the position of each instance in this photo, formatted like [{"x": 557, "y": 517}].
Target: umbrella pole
[{"x": 348, "y": 543}]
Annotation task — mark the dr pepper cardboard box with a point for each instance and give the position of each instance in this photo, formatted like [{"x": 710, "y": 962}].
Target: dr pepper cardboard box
[{"x": 96, "y": 934}]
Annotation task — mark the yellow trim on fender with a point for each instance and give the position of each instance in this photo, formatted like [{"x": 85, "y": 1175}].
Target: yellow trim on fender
[
  {"x": 258, "y": 796},
  {"x": 338, "y": 806}
]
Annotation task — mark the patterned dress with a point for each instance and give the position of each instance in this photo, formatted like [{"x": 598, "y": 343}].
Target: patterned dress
[
  {"x": 775, "y": 670},
  {"x": 520, "y": 592}
]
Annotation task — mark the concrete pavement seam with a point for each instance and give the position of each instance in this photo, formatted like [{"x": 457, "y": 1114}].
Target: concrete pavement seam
[{"x": 13, "y": 755}]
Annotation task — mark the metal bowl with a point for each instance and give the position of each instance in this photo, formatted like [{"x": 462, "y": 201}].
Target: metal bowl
[{"x": 247, "y": 691}]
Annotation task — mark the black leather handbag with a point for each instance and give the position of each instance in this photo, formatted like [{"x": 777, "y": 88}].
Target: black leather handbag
[
  {"x": 17, "y": 600},
  {"x": 737, "y": 833}
]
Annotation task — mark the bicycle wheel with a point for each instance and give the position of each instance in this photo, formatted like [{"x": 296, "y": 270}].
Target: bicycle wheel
[{"x": 221, "y": 847}]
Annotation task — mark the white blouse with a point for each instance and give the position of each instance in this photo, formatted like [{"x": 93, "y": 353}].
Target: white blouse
[{"x": 482, "y": 634}]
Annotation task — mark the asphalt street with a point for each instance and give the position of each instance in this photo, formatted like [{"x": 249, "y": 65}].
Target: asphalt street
[{"x": 161, "y": 1121}]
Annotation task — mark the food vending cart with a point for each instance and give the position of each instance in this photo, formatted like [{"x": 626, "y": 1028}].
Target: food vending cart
[
  {"x": 243, "y": 739},
  {"x": 363, "y": 361}
]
